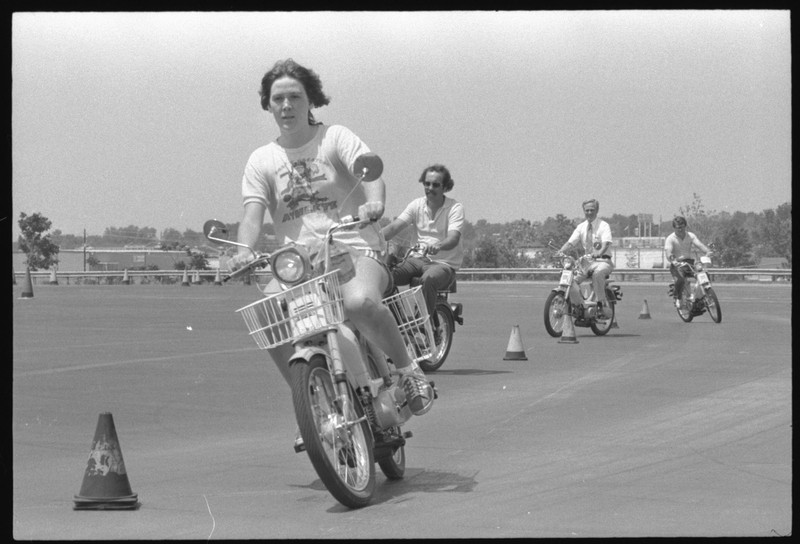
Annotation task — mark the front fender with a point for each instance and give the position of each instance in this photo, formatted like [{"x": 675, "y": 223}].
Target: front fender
[{"x": 306, "y": 353}]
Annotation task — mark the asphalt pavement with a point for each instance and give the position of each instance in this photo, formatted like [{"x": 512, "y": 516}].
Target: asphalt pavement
[{"x": 661, "y": 428}]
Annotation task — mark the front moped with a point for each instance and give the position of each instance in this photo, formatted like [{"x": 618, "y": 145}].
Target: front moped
[{"x": 349, "y": 409}]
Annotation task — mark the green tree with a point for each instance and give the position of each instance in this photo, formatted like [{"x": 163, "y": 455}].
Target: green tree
[
  {"x": 40, "y": 250},
  {"x": 732, "y": 248},
  {"x": 556, "y": 229},
  {"x": 774, "y": 232}
]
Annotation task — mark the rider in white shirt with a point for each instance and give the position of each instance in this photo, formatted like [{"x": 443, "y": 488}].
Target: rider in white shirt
[
  {"x": 681, "y": 244},
  {"x": 594, "y": 236}
]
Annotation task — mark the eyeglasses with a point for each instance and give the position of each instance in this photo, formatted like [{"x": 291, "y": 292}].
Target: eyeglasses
[{"x": 434, "y": 184}]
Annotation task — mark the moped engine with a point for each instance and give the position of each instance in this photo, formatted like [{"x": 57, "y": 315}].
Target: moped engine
[{"x": 390, "y": 408}]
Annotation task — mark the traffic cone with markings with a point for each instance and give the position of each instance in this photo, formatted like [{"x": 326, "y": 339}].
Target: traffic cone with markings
[
  {"x": 515, "y": 351},
  {"x": 645, "y": 314},
  {"x": 217, "y": 279},
  {"x": 185, "y": 281},
  {"x": 125, "y": 279},
  {"x": 27, "y": 285},
  {"x": 568, "y": 331},
  {"x": 196, "y": 277},
  {"x": 105, "y": 481},
  {"x": 53, "y": 278}
]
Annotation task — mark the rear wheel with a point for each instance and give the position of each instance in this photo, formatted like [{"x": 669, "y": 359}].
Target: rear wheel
[
  {"x": 554, "y": 309},
  {"x": 712, "y": 303},
  {"x": 337, "y": 437},
  {"x": 443, "y": 337},
  {"x": 601, "y": 326},
  {"x": 393, "y": 464}
]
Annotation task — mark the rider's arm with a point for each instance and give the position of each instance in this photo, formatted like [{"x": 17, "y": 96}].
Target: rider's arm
[
  {"x": 450, "y": 241},
  {"x": 375, "y": 193},
  {"x": 700, "y": 245},
  {"x": 572, "y": 242},
  {"x": 250, "y": 227}
]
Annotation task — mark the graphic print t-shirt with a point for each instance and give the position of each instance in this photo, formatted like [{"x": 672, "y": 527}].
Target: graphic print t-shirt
[{"x": 304, "y": 189}]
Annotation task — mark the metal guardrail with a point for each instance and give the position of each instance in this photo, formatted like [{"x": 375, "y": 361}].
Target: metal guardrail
[{"x": 464, "y": 274}]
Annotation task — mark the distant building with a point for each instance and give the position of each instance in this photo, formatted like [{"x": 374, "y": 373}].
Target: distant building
[{"x": 109, "y": 259}]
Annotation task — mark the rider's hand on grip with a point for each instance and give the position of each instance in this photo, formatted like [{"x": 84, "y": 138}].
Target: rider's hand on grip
[{"x": 239, "y": 261}]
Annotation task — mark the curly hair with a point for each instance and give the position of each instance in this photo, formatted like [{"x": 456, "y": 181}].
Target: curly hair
[
  {"x": 307, "y": 77},
  {"x": 447, "y": 180}
]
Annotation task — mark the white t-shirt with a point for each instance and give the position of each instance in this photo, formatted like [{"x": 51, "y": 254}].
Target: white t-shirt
[
  {"x": 450, "y": 217},
  {"x": 304, "y": 188}
]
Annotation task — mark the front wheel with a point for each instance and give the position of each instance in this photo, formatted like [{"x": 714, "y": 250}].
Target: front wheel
[
  {"x": 337, "y": 437},
  {"x": 685, "y": 310},
  {"x": 554, "y": 309},
  {"x": 443, "y": 336},
  {"x": 712, "y": 303}
]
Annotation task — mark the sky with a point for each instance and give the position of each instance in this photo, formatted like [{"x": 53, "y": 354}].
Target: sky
[{"x": 148, "y": 119}]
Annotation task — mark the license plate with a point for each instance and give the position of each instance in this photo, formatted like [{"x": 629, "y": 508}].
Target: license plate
[
  {"x": 702, "y": 278},
  {"x": 566, "y": 277}
]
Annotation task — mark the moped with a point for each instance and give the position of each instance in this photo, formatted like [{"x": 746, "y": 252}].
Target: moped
[
  {"x": 447, "y": 313},
  {"x": 350, "y": 412},
  {"x": 697, "y": 296},
  {"x": 584, "y": 314}
]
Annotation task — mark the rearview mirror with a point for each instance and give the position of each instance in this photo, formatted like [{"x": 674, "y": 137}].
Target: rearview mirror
[
  {"x": 215, "y": 230},
  {"x": 368, "y": 167}
]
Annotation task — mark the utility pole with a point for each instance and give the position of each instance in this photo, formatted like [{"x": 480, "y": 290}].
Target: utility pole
[{"x": 84, "y": 250}]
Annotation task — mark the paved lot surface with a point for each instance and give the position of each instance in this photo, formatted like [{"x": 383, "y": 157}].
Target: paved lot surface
[{"x": 662, "y": 428}]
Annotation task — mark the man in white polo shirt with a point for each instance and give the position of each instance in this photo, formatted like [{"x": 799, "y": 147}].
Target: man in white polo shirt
[{"x": 438, "y": 221}]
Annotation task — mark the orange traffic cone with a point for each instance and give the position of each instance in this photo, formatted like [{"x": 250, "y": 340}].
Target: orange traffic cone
[
  {"x": 614, "y": 322},
  {"x": 125, "y": 279},
  {"x": 185, "y": 282},
  {"x": 217, "y": 279},
  {"x": 645, "y": 311},
  {"x": 568, "y": 331},
  {"x": 53, "y": 279},
  {"x": 27, "y": 285},
  {"x": 196, "y": 277},
  {"x": 515, "y": 351},
  {"x": 105, "y": 482}
]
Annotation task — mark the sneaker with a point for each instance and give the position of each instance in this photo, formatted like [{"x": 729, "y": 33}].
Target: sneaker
[
  {"x": 419, "y": 392},
  {"x": 678, "y": 303},
  {"x": 299, "y": 445}
]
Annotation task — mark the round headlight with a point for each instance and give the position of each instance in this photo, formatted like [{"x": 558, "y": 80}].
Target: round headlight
[
  {"x": 289, "y": 266},
  {"x": 569, "y": 262}
]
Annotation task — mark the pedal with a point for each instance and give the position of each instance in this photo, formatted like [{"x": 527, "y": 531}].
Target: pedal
[{"x": 299, "y": 446}]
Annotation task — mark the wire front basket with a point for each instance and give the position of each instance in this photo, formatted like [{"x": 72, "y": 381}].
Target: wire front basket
[
  {"x": 300, "y": 311},
  {"x": 411, "y": 314}
]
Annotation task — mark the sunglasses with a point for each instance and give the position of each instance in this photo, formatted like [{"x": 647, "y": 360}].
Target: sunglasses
[{"x": 434, "y": 184}]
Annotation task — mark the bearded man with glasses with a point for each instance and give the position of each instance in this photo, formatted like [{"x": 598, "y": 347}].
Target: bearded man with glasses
[{"x": 437, "y": 221}]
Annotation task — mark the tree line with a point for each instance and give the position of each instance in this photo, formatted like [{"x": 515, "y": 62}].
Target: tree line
[{"x": 740, "y": 239}]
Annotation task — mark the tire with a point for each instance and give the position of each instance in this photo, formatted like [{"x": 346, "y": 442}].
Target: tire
[
  {"x": 394, "y": 466},
  {"x": 554, "y": 309},
  {"x": 342, "y": 457},
  {"x": 712, "y": 304},
  {"x": 685, "y": 311},
  {"x": 447, "y": 325},
  {"x": 601, "y": 327}
]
